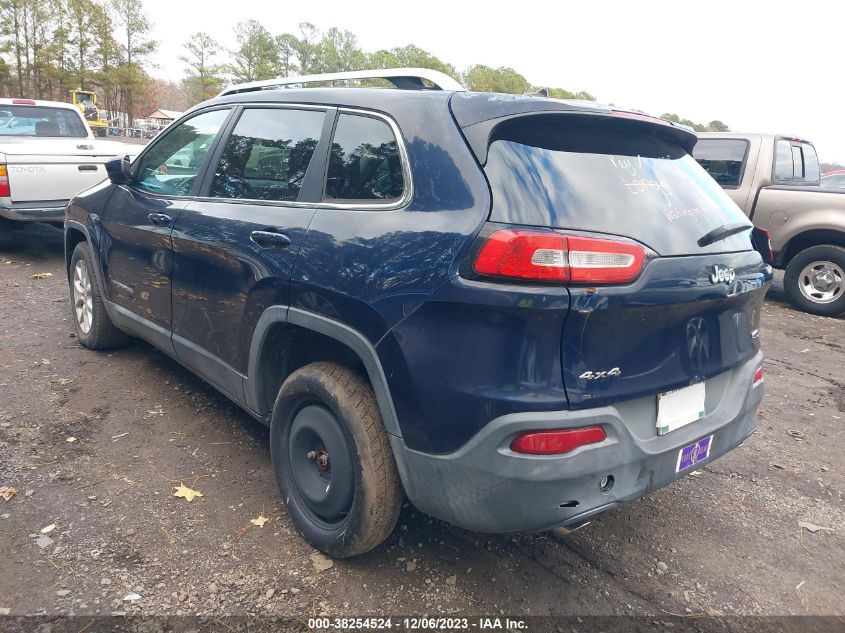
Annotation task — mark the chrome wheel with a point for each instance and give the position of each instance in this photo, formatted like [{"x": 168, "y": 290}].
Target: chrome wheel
[
  {"x": 83, "y": 302},
  {"x": 822, "y": 282}
]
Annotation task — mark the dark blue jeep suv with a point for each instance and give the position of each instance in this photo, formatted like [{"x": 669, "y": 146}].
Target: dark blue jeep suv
[{"x": 519, "y": 312}]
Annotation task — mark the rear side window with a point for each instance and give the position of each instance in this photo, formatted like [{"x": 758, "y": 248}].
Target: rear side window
[
  {"x": 795, "y": 162},
  {"x": 364, "y": 162},
  {"x": 723, "y": 159},
  {"x": 268, "y": 154},
  {"x": 591, "y": 174}
]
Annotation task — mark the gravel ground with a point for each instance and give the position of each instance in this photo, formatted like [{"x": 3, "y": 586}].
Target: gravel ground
[{"x": 726, "y": 541}]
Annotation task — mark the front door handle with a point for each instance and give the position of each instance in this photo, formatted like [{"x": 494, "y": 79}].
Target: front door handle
[
  {"x": 270, "y": 239},
  {"x": 160, "y": 219}
]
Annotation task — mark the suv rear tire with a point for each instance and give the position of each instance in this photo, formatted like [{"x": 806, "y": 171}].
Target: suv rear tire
[
  {"x": 815, "y": 280},
  {"x": 333, "y": 461},
  {"x": 94, "y": 328}
]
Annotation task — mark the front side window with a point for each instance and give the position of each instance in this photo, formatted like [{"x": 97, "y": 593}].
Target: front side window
[
  {"x": 722, "y": 159},
  {"x": 364, "y": 162},
  {"x": 171, "y": 165},
  {"x": 268, "y": 154}
]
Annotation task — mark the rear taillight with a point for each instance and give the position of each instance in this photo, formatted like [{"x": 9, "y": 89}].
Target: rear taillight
[
  {"x": 556, "y": 442},
  {"x": 5, "y": 192},
  {"x": 524, "y": 255},
  {"x": 550, "y": 256},
  {"x": 767, "y": 244},
  {"x": 758, "y": 376}
]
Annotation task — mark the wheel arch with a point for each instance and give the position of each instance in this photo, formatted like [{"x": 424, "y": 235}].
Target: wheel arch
[
  {"x": 74, "y": 234},
  {"x": 269, "y": 364},
  {"x": 807, "y": 239}
]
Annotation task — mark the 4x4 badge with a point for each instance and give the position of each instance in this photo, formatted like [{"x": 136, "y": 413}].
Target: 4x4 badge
[
  {"x": 594, "y": 375},
  {"x": 722, "y": 275}
]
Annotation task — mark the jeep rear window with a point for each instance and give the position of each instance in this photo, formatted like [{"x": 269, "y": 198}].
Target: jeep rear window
[
  {"x": 20, "y": 120},
  {"x": 722, "y": 158},
  {"x": 599, "y": 175}
]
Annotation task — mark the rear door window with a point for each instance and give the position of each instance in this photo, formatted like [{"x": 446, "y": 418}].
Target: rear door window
[
  {"x": 784, "y": 166},
  {"x": 812, "y": 170},
  {"x": 579, "y": 173},
  {"x": 364, "y": 161},
  {"x": 796, "y": 162},
  {"x": 268, "y": 154},
  {"x": 723, "y": 159}
]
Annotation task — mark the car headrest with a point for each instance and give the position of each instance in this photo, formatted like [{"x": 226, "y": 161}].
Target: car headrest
[{"x": 47, "y": 128}]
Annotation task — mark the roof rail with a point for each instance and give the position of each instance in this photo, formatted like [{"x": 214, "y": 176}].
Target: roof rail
[{"x": 403, "y": 78}]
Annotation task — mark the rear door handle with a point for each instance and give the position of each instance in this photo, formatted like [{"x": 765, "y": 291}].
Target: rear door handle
[
  {"x": 160, "y": 219},
  {"x": 270, "y": 239}
]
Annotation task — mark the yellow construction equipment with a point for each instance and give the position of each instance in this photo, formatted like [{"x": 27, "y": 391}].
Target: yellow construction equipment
[{"x": 86, "y": 101}]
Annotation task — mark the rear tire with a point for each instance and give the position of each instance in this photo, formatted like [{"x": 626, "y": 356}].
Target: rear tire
[
  {"x": 333, "y": 461},
  {"x": 94, "y": 329},
  {"x": 815, "y": 280}
]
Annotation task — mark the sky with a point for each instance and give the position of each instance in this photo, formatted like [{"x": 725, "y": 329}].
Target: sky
[{"x": 761, "y": 66}]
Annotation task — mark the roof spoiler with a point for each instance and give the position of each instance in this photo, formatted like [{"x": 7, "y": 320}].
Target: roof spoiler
[
  {"x": 479, "y": 135},
  {"x": 402, "y": 78}
]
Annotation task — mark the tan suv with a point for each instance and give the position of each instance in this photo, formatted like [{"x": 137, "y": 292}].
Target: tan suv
[{"x": 775, "y": 181}]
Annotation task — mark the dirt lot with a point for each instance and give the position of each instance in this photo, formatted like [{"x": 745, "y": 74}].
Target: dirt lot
[{"x": 726, "y": 541}]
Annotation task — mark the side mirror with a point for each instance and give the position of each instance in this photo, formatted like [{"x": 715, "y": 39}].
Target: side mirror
[{"x": 119, "y": 170}]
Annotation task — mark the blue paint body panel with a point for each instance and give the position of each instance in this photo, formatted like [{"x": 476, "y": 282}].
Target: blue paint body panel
[{"x": 449, "y": 352}]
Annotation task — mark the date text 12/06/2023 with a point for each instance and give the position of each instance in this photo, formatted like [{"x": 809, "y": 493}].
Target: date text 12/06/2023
[{"x": 417, "y": 623}]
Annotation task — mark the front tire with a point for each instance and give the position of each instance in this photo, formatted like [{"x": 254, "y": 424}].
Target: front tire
[
  {"x": 94, "y": 329},
  {"x": 333, "y": 461},
  {"x": 815, "y": 280}
]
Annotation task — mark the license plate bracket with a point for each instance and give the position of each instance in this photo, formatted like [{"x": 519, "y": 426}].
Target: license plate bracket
[{"x": 678, "y": 408}]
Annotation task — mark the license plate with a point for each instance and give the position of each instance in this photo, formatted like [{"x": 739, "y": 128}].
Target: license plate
[
  {"x": 696, "y": 452},
  {"x": 679, "y": 408}
]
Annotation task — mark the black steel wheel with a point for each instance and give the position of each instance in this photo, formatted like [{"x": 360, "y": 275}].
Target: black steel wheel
[
  {"x": 321, "y": 464},
  {"x": 332, "y": 459}
]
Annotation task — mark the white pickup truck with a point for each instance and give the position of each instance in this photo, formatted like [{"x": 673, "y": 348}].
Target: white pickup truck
[{"x": 47, "y": 155}]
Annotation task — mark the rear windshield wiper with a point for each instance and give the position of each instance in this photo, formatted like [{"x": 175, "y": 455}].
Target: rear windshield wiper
[{"x": 722, "y": 232}]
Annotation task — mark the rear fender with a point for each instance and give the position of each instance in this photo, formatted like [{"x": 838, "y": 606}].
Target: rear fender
[
  {"x": 353, "y": 339},
  {"x": 805, "y": 237}
]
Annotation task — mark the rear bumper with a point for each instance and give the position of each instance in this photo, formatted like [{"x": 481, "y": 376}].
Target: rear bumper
[
  {"x": 46, "y": 211},
  {"x": 486, "y": 487}
]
